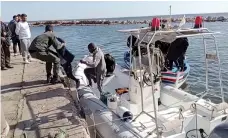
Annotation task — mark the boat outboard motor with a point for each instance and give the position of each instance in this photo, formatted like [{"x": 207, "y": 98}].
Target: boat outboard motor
[{"x": 110, "y": 64}]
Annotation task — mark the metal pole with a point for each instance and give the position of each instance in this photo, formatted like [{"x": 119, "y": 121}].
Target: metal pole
[
  {"x": 206, "y": 64},
  {"x": 151, "y": 77},
  {"x": 141, "y": 82},
  {"x": 220, "y": 71},
  {"x": 142, "y": 92},
  {"x": 130, "y": 67},
  {"x": 139, "y": 50},
  {"x": 170, "y": 15},
  {"x": 130, "y": 52}
]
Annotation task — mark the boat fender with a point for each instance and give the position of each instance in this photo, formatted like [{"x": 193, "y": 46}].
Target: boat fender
[
  {"x": 124, "y": 113},
  {"x": 112, "y": 102}
]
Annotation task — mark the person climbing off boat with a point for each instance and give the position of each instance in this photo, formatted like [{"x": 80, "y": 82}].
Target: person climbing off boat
[{"x": 98, "y": 66}]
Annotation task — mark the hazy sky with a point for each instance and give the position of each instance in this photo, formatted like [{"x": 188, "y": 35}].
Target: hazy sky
[{"x": 82, "y": 10}]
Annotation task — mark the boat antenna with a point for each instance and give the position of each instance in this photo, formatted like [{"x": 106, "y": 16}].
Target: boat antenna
[{"x": 170, "y": 15}]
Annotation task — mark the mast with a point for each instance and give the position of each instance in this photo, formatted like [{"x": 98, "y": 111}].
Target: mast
[{"x": 170, "y": 15}]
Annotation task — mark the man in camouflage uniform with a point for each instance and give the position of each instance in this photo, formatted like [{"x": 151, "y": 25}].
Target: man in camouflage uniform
[{"x": 5, "y": 47}]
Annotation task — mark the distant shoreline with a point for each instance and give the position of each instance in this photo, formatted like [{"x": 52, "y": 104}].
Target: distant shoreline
[
  {"x": 115, "y": 22},
  {"x": 148, "y": 16}
]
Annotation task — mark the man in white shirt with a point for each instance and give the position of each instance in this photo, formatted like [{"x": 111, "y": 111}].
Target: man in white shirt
[{"x": 23, "y": 30}]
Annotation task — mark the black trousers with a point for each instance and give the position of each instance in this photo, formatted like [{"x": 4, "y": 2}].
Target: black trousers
[
  {"x": 16, "y": 43},
  {"x": 179, "y": 63},
  {"x": 90, "y": 74}
]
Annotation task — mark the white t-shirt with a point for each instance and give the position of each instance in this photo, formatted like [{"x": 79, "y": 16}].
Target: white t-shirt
[{"x": 23, "y": 30}]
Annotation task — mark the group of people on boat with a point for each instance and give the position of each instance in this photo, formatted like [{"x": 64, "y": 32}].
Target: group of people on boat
[{"x": 172, "y": 52}]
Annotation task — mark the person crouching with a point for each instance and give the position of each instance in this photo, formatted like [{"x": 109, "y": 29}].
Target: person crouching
[
  {"x": 97, "y": 68},
  {"x": 44, "y": 47}
]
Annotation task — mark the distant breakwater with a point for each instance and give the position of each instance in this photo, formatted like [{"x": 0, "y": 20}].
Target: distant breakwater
[{"x": 112, "y": 22}]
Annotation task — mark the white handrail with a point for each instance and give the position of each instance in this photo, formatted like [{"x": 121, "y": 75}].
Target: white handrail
[{"x": 162, "y": 31}]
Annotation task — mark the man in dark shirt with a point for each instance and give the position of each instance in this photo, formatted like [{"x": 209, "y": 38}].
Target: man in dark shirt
[
  {"x": 44, "y": 47},
  {"x": 15, "y": 37},
  {"x": 5, "y": 47}
]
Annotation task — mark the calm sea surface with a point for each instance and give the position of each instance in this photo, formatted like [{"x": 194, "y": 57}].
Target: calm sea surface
[{"x": 111, "y": 41}]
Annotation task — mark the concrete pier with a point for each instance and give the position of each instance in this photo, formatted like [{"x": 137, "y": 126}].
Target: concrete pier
[{"x": 34, "y": 109}]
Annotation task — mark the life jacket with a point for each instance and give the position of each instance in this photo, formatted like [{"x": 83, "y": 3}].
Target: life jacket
[{"x": 110, "y": 63}]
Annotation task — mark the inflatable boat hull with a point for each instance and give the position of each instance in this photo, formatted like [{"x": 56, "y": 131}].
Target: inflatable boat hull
[{"x": 108, "y": 124}]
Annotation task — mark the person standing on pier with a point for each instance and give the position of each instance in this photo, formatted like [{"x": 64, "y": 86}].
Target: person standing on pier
[
  {"x": 15, "y": 38},
  {"x": 5, "y": 46},
  {"x": 23, "y": 31},
  {"x": 44, "y": 47}
]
